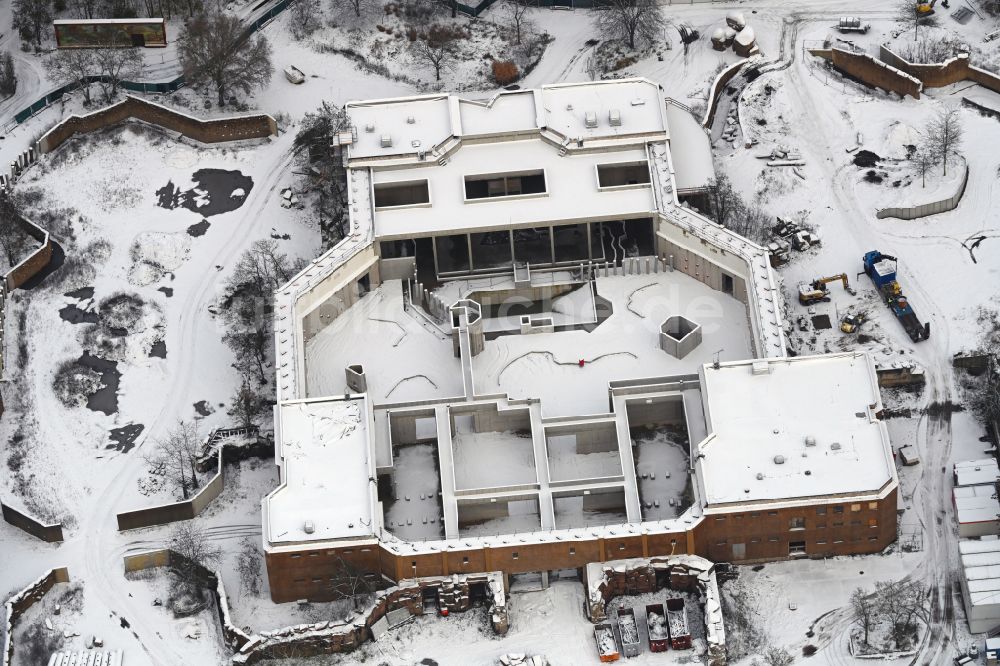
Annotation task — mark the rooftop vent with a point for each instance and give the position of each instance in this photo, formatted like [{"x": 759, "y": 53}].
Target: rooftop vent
[
  {"x": 615, "y": 118},
  {"x": 309, "y": 527},
  {"x": 410, "y": 120},
  {"x": 415, "y": 143},
  {"x": 370, "y": 127},
  {"x": 779, "y": 460},
  {"x": 835, "y": 446},
  {"x": 569, "y": 107},
  {"x": 590, "y": 119},
  {"x": 760, "y": 368},
  {"x": 386, "y": 141},
  {"x": 810, "y": 440},
  {"x": 760, "y": 476},
  {"x": 638, "y": 101}
]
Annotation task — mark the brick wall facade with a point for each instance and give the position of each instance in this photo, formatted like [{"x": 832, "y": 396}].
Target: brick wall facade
[
  {"x": 827, "y": 529},
  {"x": 872, "y": 71}
]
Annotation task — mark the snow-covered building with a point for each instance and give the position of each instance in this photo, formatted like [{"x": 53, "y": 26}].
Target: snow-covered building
[
  {"x": 981, "y": 582},
  {"x": 977, "y": 510},
  {"x": 528, "y": 355}
]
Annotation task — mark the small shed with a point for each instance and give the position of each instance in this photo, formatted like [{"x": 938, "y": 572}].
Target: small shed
[{"x": 908, "y": 455}]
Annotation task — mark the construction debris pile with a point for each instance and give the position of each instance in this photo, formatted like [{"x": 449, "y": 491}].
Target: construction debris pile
[{"x": 657, "y": 626}]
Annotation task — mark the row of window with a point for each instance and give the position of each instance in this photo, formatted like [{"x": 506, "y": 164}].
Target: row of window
[
  {"x": 510, "y": 184},
  {"x": 799, "y": 523}
]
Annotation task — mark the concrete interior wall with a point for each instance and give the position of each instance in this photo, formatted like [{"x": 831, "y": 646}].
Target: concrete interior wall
[
  {"x": 403, "y": 428},
  {"x": 473, "y": 512},
  {"x": 590, "y": 437},
  {"x": 489, "y": 418},
  {"x": 661, "y": 410}
]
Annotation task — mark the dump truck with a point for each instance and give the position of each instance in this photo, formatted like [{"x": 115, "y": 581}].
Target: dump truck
[
  {"x": 607, "y": 645},
  {"x": 629, "y": 632},
  {"x": 656, "y": 624},
  {"x": 881, "y": 268},
  {"x": 817, "y": 291},
  {"x": 677, "y": 624},
  {"x": 852, "y": 322}
]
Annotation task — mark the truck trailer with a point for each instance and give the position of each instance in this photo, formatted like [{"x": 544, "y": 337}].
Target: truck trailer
[{"x": 881, "y": 268}]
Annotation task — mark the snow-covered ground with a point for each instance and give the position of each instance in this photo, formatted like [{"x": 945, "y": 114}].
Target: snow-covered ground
[{"x": 111, "y": 184}]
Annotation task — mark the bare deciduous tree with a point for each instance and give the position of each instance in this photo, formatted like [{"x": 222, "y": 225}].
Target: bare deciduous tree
[
  {"x": 192, "y": 544},
  {"x": 637, "y": 22},
  {"x": 72, "y": 66},
  {"x": 349, "y": 582},
  {"x": 8, "y": 77},
  {"x": 776, "y": 656},
  {"x": 248, "y": 567},
  {"x": 329, "y": 177},
  {"x": 909, "y": 14},
  {"x": 731, "y": 211},
  {"x": 901, "y": 603},
  {"x": 30, "y": 18},
  {"x": 246, "y": 405},
  {"x": 864, "y": 610},
  {"x": 922, "y": 160},
  {"x": 173, "y": 458},
  {"x": 13, "y": 241},
  {"x": 116, "y": 63},
  {"x": 353, "y": 10},
  {"x": 514, "y": 14},
  {"x": 436, "y": 49},
  {"x": 211, "y": 52},
  {"x": 304, "y": 18},
  {"x": 944, "y": 134}
]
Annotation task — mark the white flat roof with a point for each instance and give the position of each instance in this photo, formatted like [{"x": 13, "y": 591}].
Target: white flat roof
[
  {"x": 506, "y": 112},
  {"x": 975, "y": 472},
  {"x": 326, "y": 463},
  {"x": 981, "y": 568},
  {"x": 976, "y": 504},
  {"x": 639, "y": 103},
  {"x": 759, "y": 410},
  {"x": 431, "y": 124},
  {"x": 570, "y": 183}
]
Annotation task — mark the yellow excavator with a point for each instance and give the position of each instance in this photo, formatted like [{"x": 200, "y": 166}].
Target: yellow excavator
[
  {"x": 816, "y": 291},
  {"x": 926, "y": 8}
]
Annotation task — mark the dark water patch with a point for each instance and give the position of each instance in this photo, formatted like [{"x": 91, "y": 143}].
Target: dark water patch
[
  {"x": 168, "y": 291},
  {"x": 216, "y": 191},
  {"x": 124, "y": 438},
  {"x": 202, "y": 408},
  {"x": 105, "y": 399},
  {"x": 866, "y": 159},
  {"x": 74, "y": 314},
  {"x": 199, "y": 229},
  {"x": 81, "y": 294},
  {"x": 158, "y": 350}
]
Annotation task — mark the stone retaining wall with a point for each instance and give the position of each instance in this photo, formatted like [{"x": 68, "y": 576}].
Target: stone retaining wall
[
  {"x": 176, "y": 511},
  {"x": 872, "y": 71},
  {"x": 721, "y": 80},
  {"x": 50, "y": 533},
  {"x": 214, "y": 130},
  {"x": 331, "y": 637},
  {"x": 937, "y": 75},
  {"x": 22, "y": 601}
]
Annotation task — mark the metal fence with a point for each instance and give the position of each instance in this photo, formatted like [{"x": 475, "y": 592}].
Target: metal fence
[{"x": 173, "y": 85}]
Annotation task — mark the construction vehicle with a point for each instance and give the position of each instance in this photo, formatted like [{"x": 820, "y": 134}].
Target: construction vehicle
[
  {"x": 852, "y": 322},
  {"x": 817, "y": 291},
  {"x": 925, "y": 8},
  {"x": 881, "y": 268}
]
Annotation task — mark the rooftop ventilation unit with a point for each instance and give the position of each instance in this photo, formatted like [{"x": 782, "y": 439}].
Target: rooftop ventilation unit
[
  {"x": 760, "y": 368},
  {"x": 779, "y": 460},
  {"x": 590, "y": 119},
  {"x": 386, "y": 141},
  {"x": 370, "y": 127},
  {"x": 835, "y": 446},
  {"x": 810, "y": 440},
  {"x": 760, "y": 476},
  {"x": 615, "y": 118},
  {"x": 638, "y": 101},
  {"x": 415, "y": 143},
  {"x": 410, "y": 120},
  {"x": 309, "y": 527}
]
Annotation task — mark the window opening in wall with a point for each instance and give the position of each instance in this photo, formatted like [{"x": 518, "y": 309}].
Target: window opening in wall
[
  {"x": 505, "y": 184},
  {"x": 797, "y": 524},
  {"x": 514, "y": 556},
  {"x": 796, "y": 547},
  {"x": 409, "y": 193},
  {"x": 620, "y": 175},
  {"x": 727, "y": 284},
  {"x": 838, "y": 509},
  {"x": 364, "y": 285},
  {"x": 821, "y": 511}
]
